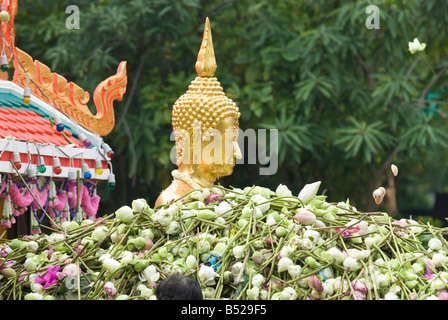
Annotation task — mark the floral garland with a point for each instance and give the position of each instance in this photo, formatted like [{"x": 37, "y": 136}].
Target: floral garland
[{"x": 42, "y": 193}]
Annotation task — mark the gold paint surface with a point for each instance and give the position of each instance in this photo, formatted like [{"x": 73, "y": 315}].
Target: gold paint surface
[{"x": 203, "y": 109}]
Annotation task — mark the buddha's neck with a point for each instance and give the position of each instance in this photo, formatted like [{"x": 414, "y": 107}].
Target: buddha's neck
[{"x": 205, "y": 180}]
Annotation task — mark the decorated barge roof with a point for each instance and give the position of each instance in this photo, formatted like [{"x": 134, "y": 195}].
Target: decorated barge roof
[{"x": 52, "y": 152}]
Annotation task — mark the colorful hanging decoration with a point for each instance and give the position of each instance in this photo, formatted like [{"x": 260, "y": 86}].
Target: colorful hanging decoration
[
  {"x": 82, "y": 137},
  {"x": 3, "y": 59},
  {"x": 111, "y": 182},
  {"x": 41, "y": 164},
  {"x": 27, "y": 92},
  {"x": 58, "y": 122},
  {"x": 16, "y": 160},
  {"x": 98, "y": 166},
  {"x": 108, "y": 151},
  {"x": 56, "y": 165},
  {"x": 86, "y": 171}
]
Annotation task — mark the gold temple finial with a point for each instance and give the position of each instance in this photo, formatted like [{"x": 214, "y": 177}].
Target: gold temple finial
[{"x": 206, "y": 62}]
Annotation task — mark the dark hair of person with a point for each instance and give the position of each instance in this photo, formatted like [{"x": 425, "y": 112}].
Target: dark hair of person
[{"x": 178, "y": 287}]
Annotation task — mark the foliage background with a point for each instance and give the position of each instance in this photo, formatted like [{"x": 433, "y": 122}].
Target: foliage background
[{"x": 348, "y": 101}]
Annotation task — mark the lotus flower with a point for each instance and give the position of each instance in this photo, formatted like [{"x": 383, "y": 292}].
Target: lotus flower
[
  {"x": 124, "y": 214},
  {"x": 379, "y": 194},
  {"x": 110, "y": 289},
  {"x": 416, "y": 46},
  {"x": 304, "y": 217},
  {"x": 309, "y": 191}
]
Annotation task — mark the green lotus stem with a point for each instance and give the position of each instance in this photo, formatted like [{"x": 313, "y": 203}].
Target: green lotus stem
[{"x": 77, "y": 190}]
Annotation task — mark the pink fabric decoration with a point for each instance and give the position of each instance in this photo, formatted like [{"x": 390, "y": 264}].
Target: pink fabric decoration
[{"x": 89, "y": 205}]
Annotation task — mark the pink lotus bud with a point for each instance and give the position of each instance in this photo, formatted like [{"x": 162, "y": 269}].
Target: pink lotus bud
[
  {"x": 315, "y": 284},
  {"x": 277, "y": 286},
  {"x": 318, "y": 286},
  {"x": 268, "y": 241},
  {"x": 49, "y": 252},
  {"x": 257, "y": 257},
  {"x": 443, "y": 296},
  {"x": 22, "y": 276},
  {"x": 71, "y": 270},
  {"x": 149, "y": 244},
  {"x": 110, "y": 289},
  {"x": 358, "y": 295},
  {"x": 359, "y": 286},
  {"x": 413, "y": 296},
  {"x": 8, "y": 264},
  {"x": 212, "y": 198},
  {"x": 120, "y": 238},
  {"x": 304, "y": 217},
  {"x": 5, "y": 250},
  {"x": 79, "y": 249}
]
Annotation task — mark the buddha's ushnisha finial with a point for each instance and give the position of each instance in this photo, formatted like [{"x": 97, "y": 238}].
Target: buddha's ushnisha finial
[{"x": 206, "y": 62}]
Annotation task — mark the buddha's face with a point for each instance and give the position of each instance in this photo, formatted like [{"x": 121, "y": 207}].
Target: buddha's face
[
  {"x": 221, "y": 151},
  {"x": 214, "y": 154}
]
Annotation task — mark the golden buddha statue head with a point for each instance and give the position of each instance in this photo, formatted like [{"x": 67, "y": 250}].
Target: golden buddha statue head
[{"x": 205, "y": 124}]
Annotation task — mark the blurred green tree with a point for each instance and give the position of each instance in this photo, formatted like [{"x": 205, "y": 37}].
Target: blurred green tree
[{"x": 348, "y": 100}]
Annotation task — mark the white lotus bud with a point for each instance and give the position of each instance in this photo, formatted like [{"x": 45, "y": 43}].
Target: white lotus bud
[
  {"x": 32, "y": 246},
  {"x": 435, "y": 244},
  {"x": 139, "y": 205},
  {"x": 164, "y": 216},
  {"x": 207, "y": 275},
  {"x": 239, "y": 251},
  {"x": 151, "y": 273},
  {"x": 258, "y": 280},
  {"x": 394, "y": 169},
  {"x": 289, "y": 294},
  {"x": 124, "y": 214},
  {"x": 309, "y": 191},
  {"x": 283, "y": 191},
  {"x": 261, "y": 202},
  {"x": 294, "y": 270},
  {"x": 223, "y": 209},
  {"x": 284, "y": 263},
  {"x": 350, "y": 264},
  {"x": 191, "y": 261},
  {"x": 379, "y": 194},
  {"x": 111, "y": 265},
  {"x": 99, "y": 233},
  {"x": 173, "y": 228},
  {"x": 391, "y": 296},
  {"x": 219, "y": 249},
  {"x": 30, "y": 265},
  {"x": 336, "y": 254},
  {"x": 127, "y": 257},
  {"x": 253, "y": 293},
  {"x": 439, "y": 259}
]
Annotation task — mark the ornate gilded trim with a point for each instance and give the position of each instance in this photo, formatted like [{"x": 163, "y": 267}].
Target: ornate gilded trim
[{"x": 69, "y": 98}]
